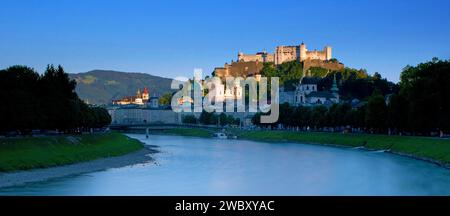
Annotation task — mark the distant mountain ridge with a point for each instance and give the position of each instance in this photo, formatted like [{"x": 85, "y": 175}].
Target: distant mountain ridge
[{"x": 103, "y": 86}]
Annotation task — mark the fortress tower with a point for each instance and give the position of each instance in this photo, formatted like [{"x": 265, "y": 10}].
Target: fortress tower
[
  {"x": 302, "y": 52},
  {"x": 279, "y": 55},
  {"x": 328, "y": 54}
]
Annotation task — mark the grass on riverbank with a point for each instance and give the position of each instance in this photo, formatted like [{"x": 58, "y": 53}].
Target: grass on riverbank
[
  {"x": 41, "y": 152},
  {"x": 425, "y": 147}
]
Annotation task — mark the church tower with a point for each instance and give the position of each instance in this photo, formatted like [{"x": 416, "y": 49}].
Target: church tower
[
  {"x": 334, "y": 89},
  {"x": 138, "y": 94},
  {"x": 145, "y": 94}
]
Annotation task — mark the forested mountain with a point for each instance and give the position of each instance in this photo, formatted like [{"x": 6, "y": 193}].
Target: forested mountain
[{"x": 102, "y": 86}]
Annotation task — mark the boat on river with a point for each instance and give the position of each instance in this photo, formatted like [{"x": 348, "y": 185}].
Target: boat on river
[{"x": 220, "y": 136}]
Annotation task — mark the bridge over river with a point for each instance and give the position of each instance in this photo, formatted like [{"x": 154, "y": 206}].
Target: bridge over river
[{"x": 155, "y": 127}]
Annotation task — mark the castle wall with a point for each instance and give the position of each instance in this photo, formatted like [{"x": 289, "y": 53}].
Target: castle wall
[
  {"x": 332, "y": 66},
  {"x": 262, "y": 57},
  {"x": 300, "y": 53},
  {"x": 240, "y": 69},
  {"x": 247, "y": 58},
  {"x": 221, "y": 72},
  {"x": 313, "y": 55},
  {"x": 286, "y": 54}
]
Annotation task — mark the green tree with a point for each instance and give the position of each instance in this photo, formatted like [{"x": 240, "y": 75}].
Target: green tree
[
  {"x": 165, "y": 99},
  {"x": 426, "y": 88},
  {"x": 376, "y": 114},
  {"x": 190, "y": 119},
  {"x": 318, "y": 117},
  {"x": 44, "y": 101},
  {"x": 398, "y": 113},
  {"x": 20, "y": 109}
]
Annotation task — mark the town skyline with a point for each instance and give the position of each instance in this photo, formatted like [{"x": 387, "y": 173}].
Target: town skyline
[
  {"x": 134, "y": 37},
  {"x": 231, "y": 107}
]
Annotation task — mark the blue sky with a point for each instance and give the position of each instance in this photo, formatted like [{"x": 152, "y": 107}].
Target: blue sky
[{"x": 171, "y": 38}]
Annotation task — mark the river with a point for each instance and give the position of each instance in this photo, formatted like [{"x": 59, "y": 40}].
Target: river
[{"x": 199, "y": 166}]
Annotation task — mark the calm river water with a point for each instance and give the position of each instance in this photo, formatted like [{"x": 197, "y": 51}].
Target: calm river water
[{"x": 197, "y": 166}]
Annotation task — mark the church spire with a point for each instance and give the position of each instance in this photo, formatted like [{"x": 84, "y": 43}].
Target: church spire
[{"x": 334, "y": 88}]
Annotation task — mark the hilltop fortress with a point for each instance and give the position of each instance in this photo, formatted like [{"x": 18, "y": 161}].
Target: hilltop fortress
[
  {"x": 251, "y": 65},
  {"x": 288, "y": 53}
]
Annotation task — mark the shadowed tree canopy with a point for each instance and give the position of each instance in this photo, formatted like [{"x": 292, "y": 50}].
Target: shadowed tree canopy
[
  {"x": 48, "y": 101},
  {"x": 419, "y": 104},
  {"x": 353, "y": 83}
]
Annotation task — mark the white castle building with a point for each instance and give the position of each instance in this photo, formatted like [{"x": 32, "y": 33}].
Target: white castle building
[{"x": 288, "y": 53}]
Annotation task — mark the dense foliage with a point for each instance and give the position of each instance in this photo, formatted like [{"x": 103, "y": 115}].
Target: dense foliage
[
  {"x": 32, "y": 101},
  {"x": 353, "y": 83},
  {"x": 419, "y": 105},
  {"x": 423, "y": 102},
  {"x": 165, "y": 99},
  {"x": 207, "y": 118}
]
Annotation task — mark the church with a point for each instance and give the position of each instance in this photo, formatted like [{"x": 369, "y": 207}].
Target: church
[
  {"x": 307, "y": 94},
  {"x": 139, "y": 99}
]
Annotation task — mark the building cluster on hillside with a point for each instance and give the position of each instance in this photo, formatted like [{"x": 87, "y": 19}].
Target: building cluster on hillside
[
  {"x": 141, "y": 108},
  {"x": 140, "y": 99},
  {"x": 306, "y": 92}
]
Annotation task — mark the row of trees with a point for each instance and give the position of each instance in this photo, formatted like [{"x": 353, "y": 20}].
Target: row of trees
[
  {"x": 418, "y": 105},
  {"x": 32, "y": 101},
  {"x": 423, "y": 100},
  {"x": 335, "y": 117},
  {"x": 211, "y": 119}
]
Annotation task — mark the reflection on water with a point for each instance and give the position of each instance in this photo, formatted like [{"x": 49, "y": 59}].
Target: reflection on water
[{"x": 197, "y": 166}]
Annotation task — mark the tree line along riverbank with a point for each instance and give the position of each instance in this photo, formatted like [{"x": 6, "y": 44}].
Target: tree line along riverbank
[
  {"x": 45, "y": 102},
  {"x": 24, "y": 153},
  {"x": 427, "y": 148}
]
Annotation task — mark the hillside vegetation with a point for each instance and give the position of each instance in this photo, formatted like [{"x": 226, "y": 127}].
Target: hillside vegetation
[
  {"x": 353, "y": 83},
  {"x": 103, "y": 86}
]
